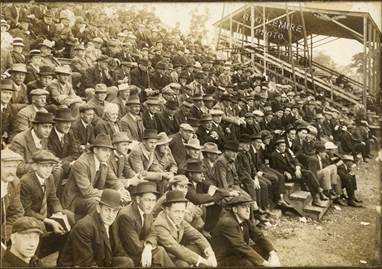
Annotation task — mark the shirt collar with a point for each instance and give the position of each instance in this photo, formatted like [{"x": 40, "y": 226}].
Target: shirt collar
[
  {"x": 4, "y": 106},
  {"x": 36, "y": 139},
  {"x": 84, "y": 124},
  {"x": 97, "y": 163},
  {"x": 40, "y": 179},
  {"x": 238, "y": 220},
  {"x": 59, "y": 134}
]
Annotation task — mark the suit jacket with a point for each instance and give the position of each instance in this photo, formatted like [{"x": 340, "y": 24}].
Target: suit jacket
[
  {"x": 229, "y": 240},
  {"x": 7, "y": 120},
  {"x": 225, "y": 173},
  {"x": 178, "y": 149},
  {"x": 282, "y": 163},
  {"x": 24, "y": 145},
  {"x": 158, "y": 81},
  {"x": 148, "y": 122},
  {"x": 88, "y": 244},
  {"x": 106, "y": 127},
  {"x": 140, "y": 78},
  {"x": 67, "y": 151},
  {"x": 24, "y": 118},
  {"x": 133, "y": 128},
  {"x": 32, "y": 74},
  {"x": 95, "y": 75},
  {"x": 257, "y": 158},
  {"x": 60, "y": 93},
  {"x": 120, "y": 165},
  {"x": 170, "y": 237},
  {"x": 83, "y": 180},
  {"x": 180, "y": 117},
  {"x": 199, "y": 195},
  {"x": 166, "y": 123},
  {"x": 130, "y": 230},
  {"x": 20, "y": 95},
  {"x": 32, "y": 196},
  {"x": 166, "y": 162},
  {"x": 11, "y": 260},
  {"x": 13, "y": 209},
  {"x": 84, "y": 136}
]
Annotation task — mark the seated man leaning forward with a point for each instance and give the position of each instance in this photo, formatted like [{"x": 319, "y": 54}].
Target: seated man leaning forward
[
  {"x": 90, "y": 242},
  {"x": 230, "y": 238},
  {"x": 184, "y": 244},
  {"x": 89, "y": 176}
]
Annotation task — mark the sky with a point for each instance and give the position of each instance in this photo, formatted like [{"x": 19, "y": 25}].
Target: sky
[{"x": 171, "y": 13}]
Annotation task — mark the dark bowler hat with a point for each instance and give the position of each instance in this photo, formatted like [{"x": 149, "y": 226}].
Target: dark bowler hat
[
  {"x": 146, "y": 187},
  {"x": 102, "y": 141},
  {"x": 150, "y": 134},
  {"x": 245, "y": 138},
  {"x": 133, "y": 100},
  {"x": 239, "y": 200},
  {"x": 232, "y": 145},
  {"x": 289, "y": 127},
  {"x": 194, "y": 167},
  {"x": 197, "y": 97},
  {"x": 206, "y": 117},
  {"x": 174, "y": 197},
  {"x": 143, "y": 61},
  {"x": 46, "y": 70},
  {"x": 302, "y": 127},
  {"x": 160, "y": 65},
  {"x": 172, "y": 105},
  {"x": 64, "y": 114},
  {"x": 111, "y": 198},
  {"x": 43, "y": 117},
  {"x": 44, "y": 156},
  {"x": 27, "y": 225},
  {"x": 6, "y": 84},
  {"x": 194, "y": 122}
]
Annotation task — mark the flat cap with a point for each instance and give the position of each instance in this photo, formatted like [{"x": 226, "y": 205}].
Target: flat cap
[
  {"x": 27, "y": 225},
  {"x": 8, "y": 155},
  {"x": 44, "y": 156},
  {"x": 39, "y": 92}
]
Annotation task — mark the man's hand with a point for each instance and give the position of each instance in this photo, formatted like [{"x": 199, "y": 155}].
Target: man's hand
[
  {"x": 274, "y": 259},
  {"x": 259, "y": 173},
  {"x": 201, "y": 262},
  {"x": 298, "y": 172},
  {"x": 234, "y": 193},
  {"x": 146, "y": 256},
  {"x": 57, "y": 228},
  {"x": 211, "y": 259},
  {"x": 288, "y": 175}
]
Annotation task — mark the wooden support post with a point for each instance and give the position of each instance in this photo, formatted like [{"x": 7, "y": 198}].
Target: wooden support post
[
  {"x": 290, "y": 47},
  {"x": 364, "y": 61},
  {"x": 231, "y": 36},
  {"x": 369, "y": 58},
  {"x": 306, "y": 48},
  {"x": 265, "y": 43},
  {"x": 252, "y": 32}
]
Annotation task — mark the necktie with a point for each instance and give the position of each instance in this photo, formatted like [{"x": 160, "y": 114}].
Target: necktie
[
  {"x": 101, "y": 176},
  {"x": 146, "y": 225},
  {"x": 245, "y": 229},
  {"x": 44, "y": 207}
]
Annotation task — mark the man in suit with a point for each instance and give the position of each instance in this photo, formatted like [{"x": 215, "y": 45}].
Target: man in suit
[
  {"x": 82, "y": 128},
  {"x": 132, "y": 121},
  {"x": 158, "y": 79},
  {"x": 18, "y": 73},
  {"x": 98, "y": 101},
  {"x": 89, "y": 176},
  {"x": 26, "y": 115},
  {"x": 120, "y": 100},
  {"x": 151, "y": 108},
  {"x": 143, "y": 162},
  {"x": 99, "y": 73},
  {"x": 62, "y": 91},
  {"x": 11, "y": 206},
  {"x": 109, "y": 123},
  {"x": 178, "y": 142},
  {"x": 183, "y": 112},
  {"x": 165, "y": 120},
  {"x": 119, "y": 156},
  {"x": 8, "y": 110},
  {"x": 140, "y": 75},
  {"x": 90, "y": 243},
  {"x": 285, "y": 163},
  {"x": 33, "y": 66},
  {"x": 30, "y": 140},
  {"x": 230, "y": 238},
  {"x": 136, "y": 231},
  {"x": 39, "y": 199},
  {"x": 184, "y": 244},
  {"x": 45, "y": 77}
]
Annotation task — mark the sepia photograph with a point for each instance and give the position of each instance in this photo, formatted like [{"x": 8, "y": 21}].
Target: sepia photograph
[{"x": 191, "y": 134}]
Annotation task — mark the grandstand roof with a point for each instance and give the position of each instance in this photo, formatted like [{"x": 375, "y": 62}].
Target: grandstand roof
[{"x": 335, "y": 23}]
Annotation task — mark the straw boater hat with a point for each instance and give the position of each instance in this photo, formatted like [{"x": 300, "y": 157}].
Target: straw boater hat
[
  {"x": 163, "y": 139},
  {"x": 193, "y": 143},
  {"x": 211, "y": 147}
]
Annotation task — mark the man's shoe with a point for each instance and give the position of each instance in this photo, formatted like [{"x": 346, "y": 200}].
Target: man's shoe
[
  {"x": 357, "y": 200},
  {"x": 319, "y": 203},
  {"x": 353, "y": 203},
  {"x": 323, "y": 196},
  {"x": 340, "y": 201}
]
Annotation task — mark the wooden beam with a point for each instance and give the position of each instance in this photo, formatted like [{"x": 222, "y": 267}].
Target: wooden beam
[
  {"x": 252, "y": 31},
  {"x": 265, "y": 43},
  {"x": 275, "y": 19},
  {"x": 364, "y": 61},
  {"x": 242, "y": 24},
  {"x": 357, "y": 35}
]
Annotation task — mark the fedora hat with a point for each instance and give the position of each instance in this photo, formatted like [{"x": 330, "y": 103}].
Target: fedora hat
[
  {"x": 216, "y": 112},
  {"x": 86, "y": 107},
  {"x": 8, "y": 155},
  {"x": 174, "y": 197},
  {"x": 120, "y": 137},
  {"x": 193, "y": 143},
  {"x": 46, "y": 70},
  {"x": 211, "y": 147},
  {"x": 194, "y": 167},
  {"x": 347, "y": 157},
  {"x": 186, "y": 127},
  {"x": 6, "y": 84},
  {"x": 43, "y": 117},
  {"x": 150, "y": 134},
  {"x": 111, "y": 198},
  {"x": 133, "y": 100},
  {"x": 65, "y": 69},
  {"x": 245, "y": 138},
  {"x": 163, "y": 139},
  {"x": 258, "y": 113},
  {"x": 194, "y": 122},
  {"x": 146, "y": 187},
  {"x": 154, "y": 101},
  {"x": 22, "y": 68},
  {"x": 47, "y": 43},
  {"x": 279, "y": 141},
  {"x": 232, "y": 145},
  {"x": 123, "y": 87},
  {"x": 206, "y": 117},
  {"x": 102, "y": 141},
  {"x": 100, "y": 87},
  {"x": 44, "y": 156},
  {"x": 63, "y": 114}
]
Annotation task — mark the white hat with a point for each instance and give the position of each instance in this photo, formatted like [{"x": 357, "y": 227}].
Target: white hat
[
  {"x": 258, "y": 113},
  {"x": 330, "y": 145}
]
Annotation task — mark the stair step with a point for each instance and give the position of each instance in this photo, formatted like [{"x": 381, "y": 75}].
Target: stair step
[
  {"x": 291, "y": 187},
  {"x": 316, "y": 212},
  {"x": 300, "y": 195}
]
